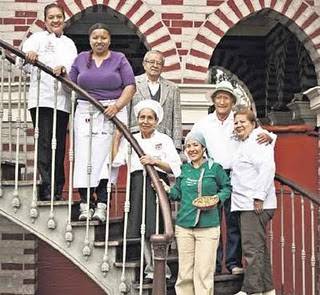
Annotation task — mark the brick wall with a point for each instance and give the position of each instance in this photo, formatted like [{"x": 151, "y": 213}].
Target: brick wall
[
  {"x": 186, "y": 30},
  {"x": 17, "y": 259}
]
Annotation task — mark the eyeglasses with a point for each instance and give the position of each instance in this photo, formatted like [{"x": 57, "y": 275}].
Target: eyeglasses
[{"x": 154, "y": 62}]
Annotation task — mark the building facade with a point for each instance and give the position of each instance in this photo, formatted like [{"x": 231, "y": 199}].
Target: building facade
[{"x": 271, "y": 47}]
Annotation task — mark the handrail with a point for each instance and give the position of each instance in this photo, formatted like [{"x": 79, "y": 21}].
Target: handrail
[
  {"x": 10, "y": 58},
  {"x": 301, "y": 190},
  {"x": 163, "y": 200}
]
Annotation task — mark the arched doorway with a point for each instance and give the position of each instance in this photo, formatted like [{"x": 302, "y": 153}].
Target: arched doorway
[
  {"x": 125, "y": 37},
  {"x": 269, "y": 59}
]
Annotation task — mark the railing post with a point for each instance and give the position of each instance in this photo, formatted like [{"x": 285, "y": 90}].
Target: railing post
[
  {"x": 160, "y": 250},
  {"x": 318, "y": 252}
]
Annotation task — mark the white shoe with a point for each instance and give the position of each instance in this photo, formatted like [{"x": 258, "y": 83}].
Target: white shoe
[
  {"x": 84, "y": 212},
  {"x": 241, "y": 293},
  {"x": 237, "y": 270},
  {"x": 100, "y": 212}
]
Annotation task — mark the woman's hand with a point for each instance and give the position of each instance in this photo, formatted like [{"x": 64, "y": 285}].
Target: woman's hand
[
  {"x": 148, "y": 160},
  {"x": 111, "y": 110},
  {"x": 59, "y": 71},
  {"x": 31, "y": 57},
  {"x": 258, "y": 206},
  {"x": 165, "y": 186}
]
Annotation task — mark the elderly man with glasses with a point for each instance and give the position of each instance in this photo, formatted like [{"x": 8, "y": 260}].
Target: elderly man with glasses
[{"x": 151, "y": 85}]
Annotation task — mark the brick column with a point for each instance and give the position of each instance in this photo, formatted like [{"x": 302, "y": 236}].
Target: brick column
[{"x": 18, "y": 257}]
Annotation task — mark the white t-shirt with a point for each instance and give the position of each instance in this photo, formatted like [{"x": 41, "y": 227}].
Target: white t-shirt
[
  {"x": 52, "y": 51},
  {"x": 159, "y": 146}
]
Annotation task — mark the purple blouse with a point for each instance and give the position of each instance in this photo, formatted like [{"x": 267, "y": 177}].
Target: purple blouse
[{"x": 105, "y": 82}]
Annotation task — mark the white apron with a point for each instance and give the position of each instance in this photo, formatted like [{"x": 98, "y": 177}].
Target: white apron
[{"x": 102, "y": 133}]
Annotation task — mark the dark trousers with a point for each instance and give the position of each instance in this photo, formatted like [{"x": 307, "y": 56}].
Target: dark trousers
[
  {"x": 233, "y": 241},
  {"x": 135, "y": 214},
  {"x": 45, "y": 149},
  {"x": 100, "y": 190},
  {"x": 258, "y": 274}
]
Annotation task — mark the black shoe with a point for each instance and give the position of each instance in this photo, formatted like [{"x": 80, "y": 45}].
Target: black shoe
[
  {"x": 45, "y": 197},
  {"x": 147, "y": 281},
  {"x": 58, "y": 197}
]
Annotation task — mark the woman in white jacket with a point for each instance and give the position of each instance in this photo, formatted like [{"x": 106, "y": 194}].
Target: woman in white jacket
[
  {"x": 253, "y": 196},
  {"x": 57, "y": 51},
  {"x": 160, "y": 153}
]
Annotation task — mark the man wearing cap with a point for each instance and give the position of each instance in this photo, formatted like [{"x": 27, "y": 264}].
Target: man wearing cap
[
  {"x": 151, "y": 85},
  {"x": 217, "y": 129}
]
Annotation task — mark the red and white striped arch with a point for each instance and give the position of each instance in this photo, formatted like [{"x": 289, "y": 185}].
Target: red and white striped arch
[
  {"x": 146, "y": 21},
  {"x": 298, "y": 16}
]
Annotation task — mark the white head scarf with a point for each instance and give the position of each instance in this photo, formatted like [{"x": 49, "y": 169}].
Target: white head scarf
[{"x": 149, "y": 104}]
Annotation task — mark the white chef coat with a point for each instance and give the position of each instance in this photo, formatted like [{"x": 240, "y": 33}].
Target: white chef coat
[
  {"x": 252, "y": 175},
  {"x": 159, "y": 146},
  {"x": 220, "y": 141},
  {"x": 53, "y": 51}
]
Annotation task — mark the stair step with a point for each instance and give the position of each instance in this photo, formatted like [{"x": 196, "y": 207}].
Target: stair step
[
  {"x": 12, "y": 183},
  {"x": 225, "y": 284},
  {"x": 8, "y": 170},
  {"x": 55, "y": 203},
  {"x": 117, "y": 242},
  {"x": 84, "y": 223},
  {"x": 136, "y": 263},
  {"x": 170, "y": 285}
]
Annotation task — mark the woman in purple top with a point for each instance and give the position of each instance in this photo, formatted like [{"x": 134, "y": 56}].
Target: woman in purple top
[{"x": 108, "y": 77}]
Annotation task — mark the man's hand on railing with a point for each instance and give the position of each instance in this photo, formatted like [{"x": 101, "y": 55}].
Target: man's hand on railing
[{"x": 31, "y": 57}]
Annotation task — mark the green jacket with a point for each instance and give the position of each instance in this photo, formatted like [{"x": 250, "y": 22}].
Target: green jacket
[{"x": 214, "y": 182}]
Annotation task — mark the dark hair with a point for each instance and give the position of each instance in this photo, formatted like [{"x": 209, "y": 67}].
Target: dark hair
[
  {"x": 96, "y": 26},
  {"x": 248, "y": 113},
  {"x": 53, "y": 5}
]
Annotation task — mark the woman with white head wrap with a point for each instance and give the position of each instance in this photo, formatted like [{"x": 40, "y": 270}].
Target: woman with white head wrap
[
  {"x": 160, "y": 152},
  {"x": 197, "y": 228}
]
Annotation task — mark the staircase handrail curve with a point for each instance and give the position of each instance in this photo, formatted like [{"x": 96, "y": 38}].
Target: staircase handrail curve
[
  {"x": 164, "y": 203},
  {"x": 10, "y": 58},
  {"x": 313, "y": 197}
]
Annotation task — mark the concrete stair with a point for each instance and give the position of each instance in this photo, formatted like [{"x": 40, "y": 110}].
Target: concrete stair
[
  {"x": 225, "y": 284},
  {"x": 56, "y": 237}
]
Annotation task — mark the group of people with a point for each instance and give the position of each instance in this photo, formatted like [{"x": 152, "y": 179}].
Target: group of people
[{"x": 229, "y": 156}]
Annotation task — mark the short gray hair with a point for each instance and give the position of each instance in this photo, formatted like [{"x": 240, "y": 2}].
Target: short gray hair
[{"x": 154, "y": 52}]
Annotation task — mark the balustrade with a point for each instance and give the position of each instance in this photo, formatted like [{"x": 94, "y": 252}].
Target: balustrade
[{"x": 7, "y": 63}]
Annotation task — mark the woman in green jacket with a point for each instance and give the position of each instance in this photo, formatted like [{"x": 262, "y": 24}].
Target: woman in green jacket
[{"x": 198, "y": 230}]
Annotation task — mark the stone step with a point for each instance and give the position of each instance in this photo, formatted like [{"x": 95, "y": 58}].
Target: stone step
[{"x": 224, "y": 284}]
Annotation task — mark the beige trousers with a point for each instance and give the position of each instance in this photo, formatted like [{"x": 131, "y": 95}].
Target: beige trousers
[{"x": 197, "y": 250}]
